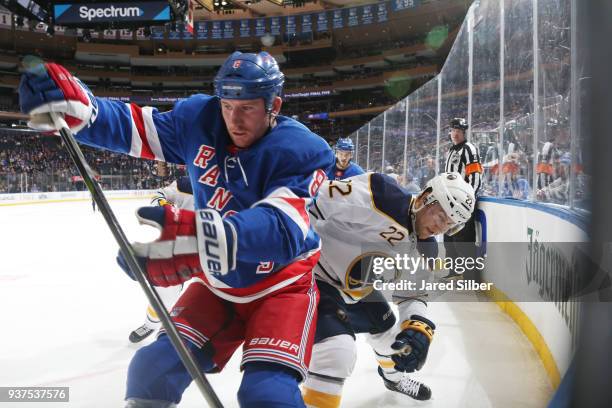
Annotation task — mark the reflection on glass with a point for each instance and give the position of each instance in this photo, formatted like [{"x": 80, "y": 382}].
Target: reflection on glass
[{"x": 503, "y": 112}]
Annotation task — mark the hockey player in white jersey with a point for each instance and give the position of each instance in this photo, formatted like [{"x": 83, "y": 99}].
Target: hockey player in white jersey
[
  {"x": 180, "y": 195},
  {"x": 349, "y": 215}
]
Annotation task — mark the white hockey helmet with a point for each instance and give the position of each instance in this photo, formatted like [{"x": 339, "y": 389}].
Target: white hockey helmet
[{"x": 456, "y": 197}]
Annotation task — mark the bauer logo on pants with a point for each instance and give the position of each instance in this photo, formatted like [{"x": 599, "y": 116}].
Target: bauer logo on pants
[{"x": 270, "y": 341}]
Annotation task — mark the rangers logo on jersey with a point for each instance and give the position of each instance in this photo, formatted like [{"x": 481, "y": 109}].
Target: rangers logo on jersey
[{"x": 176, "y": 311}]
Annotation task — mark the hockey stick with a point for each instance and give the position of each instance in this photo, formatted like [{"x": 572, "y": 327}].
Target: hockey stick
[
  {"x": 128, "y": 253},
  {"x": 13, "y": 115}
]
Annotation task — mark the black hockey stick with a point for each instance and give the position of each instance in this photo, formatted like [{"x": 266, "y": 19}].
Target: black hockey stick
[{"x": 128, "y": 253}]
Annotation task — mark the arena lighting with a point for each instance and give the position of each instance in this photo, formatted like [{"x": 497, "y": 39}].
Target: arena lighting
[
  {"x": 207, "y": 4},
  {"x": 267, "y": 40},
  {"x": 33, "y": 9}
]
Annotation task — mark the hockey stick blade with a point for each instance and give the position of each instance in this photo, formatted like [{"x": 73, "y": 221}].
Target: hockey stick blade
[{"x": 98, "y": 196}]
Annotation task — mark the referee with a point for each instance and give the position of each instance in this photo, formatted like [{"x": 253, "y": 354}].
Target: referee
[{"x": 464, "y": 159}]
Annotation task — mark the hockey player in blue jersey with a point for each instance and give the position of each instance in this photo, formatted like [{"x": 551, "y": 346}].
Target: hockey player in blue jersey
[
  {"x": 344, "y": 166},
  {"x": 254, "y": 175}
]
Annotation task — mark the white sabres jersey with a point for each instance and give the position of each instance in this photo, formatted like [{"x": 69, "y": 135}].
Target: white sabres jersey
[
  {"x": 179, "y": 193},
  {"x": 357, "y": 218}
]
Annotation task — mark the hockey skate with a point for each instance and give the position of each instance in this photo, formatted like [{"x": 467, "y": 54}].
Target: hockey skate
[
  {"x": 407, "y": 386},
  {"x": 142, "y": 332}
]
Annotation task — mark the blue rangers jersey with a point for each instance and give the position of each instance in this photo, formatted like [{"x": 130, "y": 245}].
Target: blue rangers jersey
[
  {"x": 263, "y": 192},
  {"x": 353, "y": 169}
]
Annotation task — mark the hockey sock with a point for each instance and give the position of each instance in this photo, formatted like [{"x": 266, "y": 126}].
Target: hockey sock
[
  {"x": 320, "y": 393},
  {"x": 152, "y": 319},
  {"x": 157, "y": 373},
  {"x": 269, "y": 385},
  {"x": 168, "y": 296}
]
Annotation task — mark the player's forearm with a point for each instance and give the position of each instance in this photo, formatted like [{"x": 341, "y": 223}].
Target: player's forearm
[
  {"x": 265, "y": 234},
  {"x": 111, "y": 129},
  {"x": 128, "y": 128},
  {"x": 411, "y": 306}
]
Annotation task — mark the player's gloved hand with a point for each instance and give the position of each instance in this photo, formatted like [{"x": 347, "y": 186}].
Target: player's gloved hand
[
  {"x": 412, "y": 344},
  {"x": 51, "y": 88},
  {"x": 190, "y": 242}
]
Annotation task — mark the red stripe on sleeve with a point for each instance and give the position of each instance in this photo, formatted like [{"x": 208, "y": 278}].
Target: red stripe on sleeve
[
  {"x": 300, "y": 205},
  {"x": 146, "y": 152}
]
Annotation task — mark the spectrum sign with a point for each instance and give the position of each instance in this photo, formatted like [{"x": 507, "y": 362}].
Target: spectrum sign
[{"x": 91, "y": 13}]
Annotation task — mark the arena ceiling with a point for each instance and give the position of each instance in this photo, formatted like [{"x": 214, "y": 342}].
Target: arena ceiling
[{"x": 270, "y": 8}]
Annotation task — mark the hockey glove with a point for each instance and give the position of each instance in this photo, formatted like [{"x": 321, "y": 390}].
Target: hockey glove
[
  {"x": 412, "y": 344},
  {"x": 51, "y": 88},
  {"x": 190, "y": 243}
]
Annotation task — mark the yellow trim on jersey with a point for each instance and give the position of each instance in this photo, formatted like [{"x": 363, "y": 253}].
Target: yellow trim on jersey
[
  {"x": 318, "y": 399},
  {"x": 358, "y": 294},
  {"x": 384, "y": 214}
]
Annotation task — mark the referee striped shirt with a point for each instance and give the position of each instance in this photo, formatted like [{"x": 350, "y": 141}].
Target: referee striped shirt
[{"x": 463, "y": 158}]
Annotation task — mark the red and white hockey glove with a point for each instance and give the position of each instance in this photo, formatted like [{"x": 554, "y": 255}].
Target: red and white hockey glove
[
  {"x": 190, "y": 242},
  {"x": 51, "y": 88}
]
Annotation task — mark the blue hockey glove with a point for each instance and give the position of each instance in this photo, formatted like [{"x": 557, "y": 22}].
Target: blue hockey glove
[{"x": 412, "y": 344}]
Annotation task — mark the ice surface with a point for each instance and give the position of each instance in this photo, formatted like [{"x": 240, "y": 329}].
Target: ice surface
[{"x": 66, "y": 311}]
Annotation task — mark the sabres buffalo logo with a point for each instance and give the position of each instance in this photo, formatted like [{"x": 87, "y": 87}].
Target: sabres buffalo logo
[{"x": 360, "y": 276}]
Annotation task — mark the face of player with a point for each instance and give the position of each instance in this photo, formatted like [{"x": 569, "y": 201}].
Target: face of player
[
  {"x": 247, "y": 120},
  {"x": 432, "y": 220},
  {"x": 343, "y": 158},
  {"x": 457, "y": 136}
]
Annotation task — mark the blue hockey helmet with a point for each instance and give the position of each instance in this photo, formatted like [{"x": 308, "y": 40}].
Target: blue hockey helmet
[
  {"x": 345, "y": 144},
  {"x": 250, "y": 76}
]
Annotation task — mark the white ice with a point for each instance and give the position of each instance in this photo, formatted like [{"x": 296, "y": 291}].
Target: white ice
[{"x": 66, "y": 311}]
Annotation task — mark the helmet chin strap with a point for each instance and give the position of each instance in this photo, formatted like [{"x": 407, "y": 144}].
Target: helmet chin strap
[
  {"x": 413, "y": 208},
  {"x": 271, "y": 120},
  {"x": 413, "y": 212}
]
